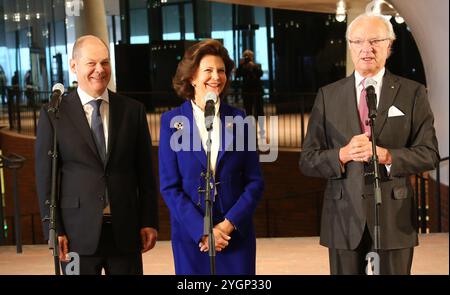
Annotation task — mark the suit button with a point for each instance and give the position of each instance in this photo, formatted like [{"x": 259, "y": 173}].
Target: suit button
[{"x": 101, "y": 198}]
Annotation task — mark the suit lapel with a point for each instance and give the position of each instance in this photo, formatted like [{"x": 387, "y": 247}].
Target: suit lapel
[
  {"x": 115, "y": 117},
  {"x": 75, "y": 111},
  {"x": 194, "y": 136},
  {"x": 350, "y": 104},
  {"x": 388, "y": 92},
  {"x": 226, "y": 132}
]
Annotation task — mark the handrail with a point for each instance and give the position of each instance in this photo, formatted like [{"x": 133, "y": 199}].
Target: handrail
[
  {"x": 423, "y": 195},
  {"x": 14, "y": 162},
  {"x": 438, "y": 192}
]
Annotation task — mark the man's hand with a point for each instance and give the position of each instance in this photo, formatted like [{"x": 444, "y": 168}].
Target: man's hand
[
  {"x": 360, "y": 149},
  {"x": 384, "y": 156},
  {"x": 148, "y": 238},
  {"x": 63, "y": 247}
]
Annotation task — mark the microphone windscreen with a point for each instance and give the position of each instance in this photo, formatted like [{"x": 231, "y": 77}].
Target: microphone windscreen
[
  {"x": 371, "y": 97},
  {"x": 211, "y": 96},
  {"x": 58, "y": 86},
  {"x": 370, "y": 82}
]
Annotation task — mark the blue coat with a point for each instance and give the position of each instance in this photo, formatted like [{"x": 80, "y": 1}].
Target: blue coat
[{"x": 239, "y": 188}]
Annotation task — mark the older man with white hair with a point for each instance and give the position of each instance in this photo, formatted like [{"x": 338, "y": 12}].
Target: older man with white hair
[{"x": 338, "y": 147}]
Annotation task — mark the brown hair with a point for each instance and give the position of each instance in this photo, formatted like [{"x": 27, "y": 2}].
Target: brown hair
[{"x": 188, "y": 66}]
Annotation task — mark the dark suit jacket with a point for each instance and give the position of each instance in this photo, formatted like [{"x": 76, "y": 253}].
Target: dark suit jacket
[
  {"x": 127, "y": 174},
  {"x": 348, "y": 199}
]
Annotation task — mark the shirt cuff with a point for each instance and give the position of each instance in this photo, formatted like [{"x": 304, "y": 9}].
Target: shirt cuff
[{"x": 388, "y": 169}]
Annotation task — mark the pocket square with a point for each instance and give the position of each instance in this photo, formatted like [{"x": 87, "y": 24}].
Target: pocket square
[{"x": 395, "y": 112}]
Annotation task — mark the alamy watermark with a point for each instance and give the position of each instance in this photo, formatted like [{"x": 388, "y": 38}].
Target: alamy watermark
[
  {"x": 373, "y": 263},
  {"x": 73, "y": 7},
  {"x": 241, "y": 134},
  {"x": 73, "y": 266}
]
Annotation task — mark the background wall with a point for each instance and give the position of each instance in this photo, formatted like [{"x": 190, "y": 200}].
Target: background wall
[{"x": 429, "y": 24}]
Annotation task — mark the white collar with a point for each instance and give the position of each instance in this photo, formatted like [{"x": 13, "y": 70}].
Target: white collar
[
  {"x": 86, "y": 98},
  {"x": 378, "y": 77},
  {"x": 198, "y": 112}
]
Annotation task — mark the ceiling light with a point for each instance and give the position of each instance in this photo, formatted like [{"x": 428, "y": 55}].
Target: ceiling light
[
  {"x": 340, "y": 11},
  {"x": 399, "y": 19}
]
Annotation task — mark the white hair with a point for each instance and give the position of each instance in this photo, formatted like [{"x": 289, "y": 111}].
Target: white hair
[{"x": 385, "y": 20}]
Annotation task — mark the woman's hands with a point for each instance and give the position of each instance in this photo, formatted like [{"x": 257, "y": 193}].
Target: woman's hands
[{"x": 222, "y": 237}]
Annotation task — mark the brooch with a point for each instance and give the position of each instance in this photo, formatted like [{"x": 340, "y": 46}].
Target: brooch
[{"x": 178, "y": 125}]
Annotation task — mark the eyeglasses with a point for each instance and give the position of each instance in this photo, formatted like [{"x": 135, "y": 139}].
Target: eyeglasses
[{"x": 372, "y": 42}]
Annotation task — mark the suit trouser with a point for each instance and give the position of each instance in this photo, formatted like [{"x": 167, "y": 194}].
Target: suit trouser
[
  {"x": 109, "y": 258},
  {"x": 352, "y": 262}
]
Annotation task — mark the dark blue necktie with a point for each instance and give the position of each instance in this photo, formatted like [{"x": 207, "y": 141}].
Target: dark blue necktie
[
  {"x": 97, "y": 128},
  {"x": 99, "y": 137}
]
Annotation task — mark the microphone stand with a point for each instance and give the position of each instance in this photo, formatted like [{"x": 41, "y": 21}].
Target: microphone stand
[
  {"x": 53, "y": 237},
  {"x": 208, "y": 224},
  {"x": 374, "y": 256},
  {"x": 208, "y": 219}
]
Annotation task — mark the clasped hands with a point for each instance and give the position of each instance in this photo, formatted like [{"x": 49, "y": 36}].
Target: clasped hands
[
  {"x": 359, "y": 149},
  {"x": 222, "y": 237}
]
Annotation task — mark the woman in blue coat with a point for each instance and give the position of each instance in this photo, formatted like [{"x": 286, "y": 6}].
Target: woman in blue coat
[{"x": 205, "y": 68}]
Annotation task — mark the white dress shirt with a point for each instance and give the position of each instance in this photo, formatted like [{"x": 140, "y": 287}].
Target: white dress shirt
[
  {"x": 199, "y": 118},
  {"x": 104, "y": 109}
]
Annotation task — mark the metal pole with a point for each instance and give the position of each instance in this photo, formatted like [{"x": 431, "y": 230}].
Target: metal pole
[
  {"x": 2, "y": 225},
  {"x": 423, "y": 203},
  {"x": 17, "y": 225},
  {"x": 2, "y": 196},
  {"x": 19, "y": 123}
]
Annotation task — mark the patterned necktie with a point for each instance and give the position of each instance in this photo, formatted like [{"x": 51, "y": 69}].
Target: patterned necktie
[
  {"x": 363, "y": 109},
  {"x": 97, "y": 128}
]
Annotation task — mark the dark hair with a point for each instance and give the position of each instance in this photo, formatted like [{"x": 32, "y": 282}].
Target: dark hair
[{"x": 188, "y": 66}]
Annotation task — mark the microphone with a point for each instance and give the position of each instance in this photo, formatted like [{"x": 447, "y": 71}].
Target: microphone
[
  {"x": 55, "y": 98},
  {"x": 210, "y": 109},
  {"x": 371, "y": 97}
]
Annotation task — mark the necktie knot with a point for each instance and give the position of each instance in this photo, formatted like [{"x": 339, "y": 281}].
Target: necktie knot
[
  {"x": 363, "y": 83},
  {"x": 96, "y": 105}
]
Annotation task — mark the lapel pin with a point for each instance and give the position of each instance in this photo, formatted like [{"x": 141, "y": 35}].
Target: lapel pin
[
  {"x": 229, "y": 125},
  {"x": 178, "y": 125}
]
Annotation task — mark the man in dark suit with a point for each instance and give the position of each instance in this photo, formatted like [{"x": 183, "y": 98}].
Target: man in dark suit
[
  {"x": 107, "y": 205},
  {"x": 338, "y": 147},
  {"x": 252, "y": 89}
]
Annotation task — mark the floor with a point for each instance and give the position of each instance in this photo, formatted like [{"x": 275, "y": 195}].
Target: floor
[{"x": 290, "y": 256}]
